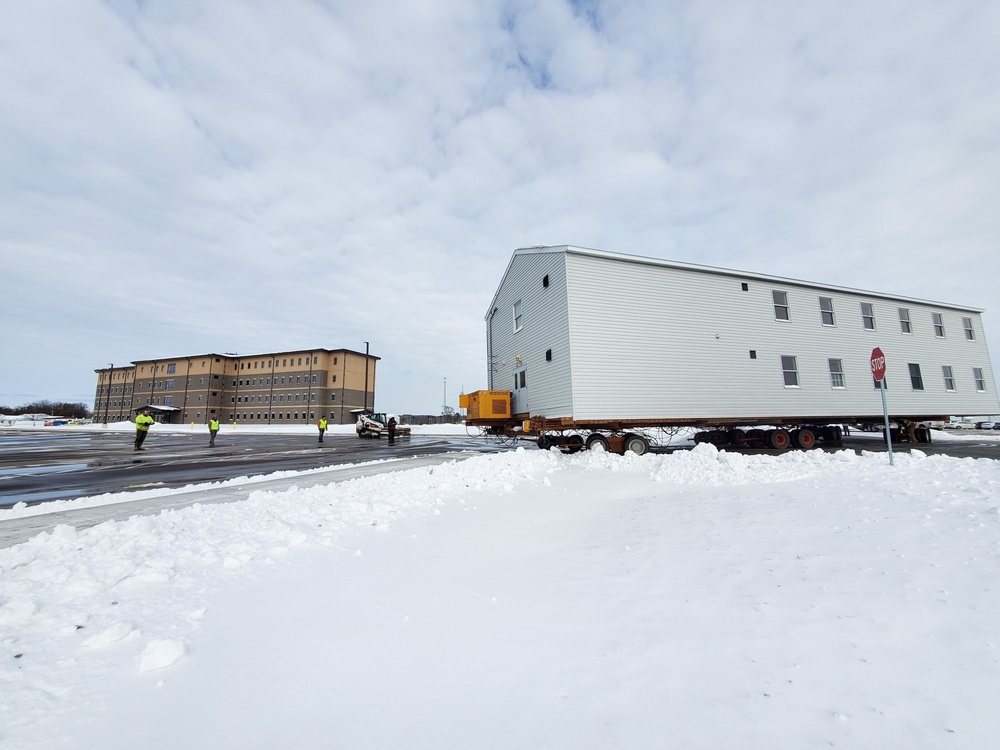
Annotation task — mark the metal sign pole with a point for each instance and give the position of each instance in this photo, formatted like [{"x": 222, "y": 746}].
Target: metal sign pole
[{"x": 885, "y": 415}]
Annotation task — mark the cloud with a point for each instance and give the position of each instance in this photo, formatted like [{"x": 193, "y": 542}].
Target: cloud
[{"x": 252, "y": 177}]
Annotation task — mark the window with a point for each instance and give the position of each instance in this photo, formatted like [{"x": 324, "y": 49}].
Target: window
[
  {"x": 837, "y": 373},
  {"x": 977, "y": 374},
  {"x": 519, "y": 379},
  {"x": 970, "y": 335},
  {"x": 868, "y": 316},
  {"x": 168, "y": 400},
  {"x": 780, "y": 305},
  {"x": 916, "y": 381},
  {"x": 790, "y": 371},
  {"x": 904, "y": 321},
  {"x": 169, "y": 385},
  {"x": 938, "y": 320},
  {"x": 517, "y": 316},
  {"x": 826, "y": 310},
  {"x": 949, "y": 378},
  {"x": 171, "y": 369}
]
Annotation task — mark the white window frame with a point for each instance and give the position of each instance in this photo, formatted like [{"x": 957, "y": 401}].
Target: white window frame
[
  {"x": 517, "y": 312},
  {"x": 837, "y": 373},
  {"x": 977, "y": 375},
  {"x": 905, "y": 326},
  {"x": 869, "y": 316},
  {"x": 780, "y": 301},
  {"x": 826, "y": 314},
  {"x": 970, "y": 332},
  {"x": 949, "y": 377},
  {"x": 916, "y": 377},
  {"x": 937, "y": 319},
  {"x": 789, "y": 371}
]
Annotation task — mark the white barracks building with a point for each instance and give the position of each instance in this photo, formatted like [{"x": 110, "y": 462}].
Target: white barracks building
[{"x": 591, "y": 335}]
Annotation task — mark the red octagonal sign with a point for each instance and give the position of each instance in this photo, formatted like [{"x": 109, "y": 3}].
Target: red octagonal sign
[{"x": 878, "y": 364}]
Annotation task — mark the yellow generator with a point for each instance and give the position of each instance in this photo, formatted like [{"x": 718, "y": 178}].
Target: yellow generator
[{"x": 485, "y": 405}]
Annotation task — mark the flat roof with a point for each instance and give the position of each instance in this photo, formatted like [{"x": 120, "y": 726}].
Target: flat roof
[{"x": 626, "y": 258}]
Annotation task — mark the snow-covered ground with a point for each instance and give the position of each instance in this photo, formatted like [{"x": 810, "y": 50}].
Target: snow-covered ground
[{"x": 526, "y": 599}]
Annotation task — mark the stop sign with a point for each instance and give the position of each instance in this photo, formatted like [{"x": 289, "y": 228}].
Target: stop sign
[{"x": 878, "y": 364}]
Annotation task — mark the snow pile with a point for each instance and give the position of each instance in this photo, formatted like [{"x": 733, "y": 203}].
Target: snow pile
[{"x": 526, "y": 599}]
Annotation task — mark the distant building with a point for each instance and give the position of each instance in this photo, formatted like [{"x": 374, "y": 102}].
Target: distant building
[{"x": 293, "y": 387}]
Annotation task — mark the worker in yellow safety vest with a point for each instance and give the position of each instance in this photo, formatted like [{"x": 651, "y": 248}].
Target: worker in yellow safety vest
[
  {"x": 213, "y": 430},
  {"x": 322, "y": 427},
  {"x": 142, "y": 424}
]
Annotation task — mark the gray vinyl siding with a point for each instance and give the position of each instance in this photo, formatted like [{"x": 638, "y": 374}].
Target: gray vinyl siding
[
  {"x": 544, "y": 327},
  {"x": 642, "y": 339}
]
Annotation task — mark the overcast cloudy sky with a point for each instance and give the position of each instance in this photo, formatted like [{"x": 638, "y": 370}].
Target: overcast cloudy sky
[{"x": 242, "y": 176}]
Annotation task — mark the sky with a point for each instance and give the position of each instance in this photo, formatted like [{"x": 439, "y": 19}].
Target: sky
[
  {"x": 699, "y": 599},
  {"x": 182, "y": 178}
]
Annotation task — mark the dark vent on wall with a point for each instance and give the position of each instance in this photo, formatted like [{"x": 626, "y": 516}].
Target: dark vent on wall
[
  {"x": 548, "y": 355},
  {"x": 753, "y": 354},
  {"x": 746, "y": 287},
  {"x": 545, "y": 281}
]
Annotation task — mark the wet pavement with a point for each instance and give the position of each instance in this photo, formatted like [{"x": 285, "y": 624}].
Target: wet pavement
[
  {"x": 40, "y": 466},
  {"x": 37, "y": 466}
]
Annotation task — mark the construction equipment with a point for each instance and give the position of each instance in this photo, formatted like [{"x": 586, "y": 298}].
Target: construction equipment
[{"x": 376, "y": 424}]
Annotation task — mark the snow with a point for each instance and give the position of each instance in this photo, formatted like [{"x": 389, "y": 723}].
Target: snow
[{"x": 700, "y": 599}]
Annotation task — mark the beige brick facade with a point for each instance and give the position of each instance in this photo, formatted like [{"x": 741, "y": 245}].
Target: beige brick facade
[{"x": 293, "y": 387}]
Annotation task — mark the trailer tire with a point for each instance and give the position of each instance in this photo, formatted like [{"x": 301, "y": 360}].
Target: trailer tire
[
  {"x": 544, "y": 443},
  {"x": 574, "y": 443},
  {"x": 804, "y": 438},
  {"x": 717, "y": 438},
  {"x": 596, "y": 439},
  {"x": 778, "y": 440},
  {"x": 737, "y": 437},
  {"x": 636, "y": 443},
  {"x": 757, "y": 438}
]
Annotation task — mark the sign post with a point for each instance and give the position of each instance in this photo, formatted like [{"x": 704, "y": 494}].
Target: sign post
[{"x": 878, "y": 372}]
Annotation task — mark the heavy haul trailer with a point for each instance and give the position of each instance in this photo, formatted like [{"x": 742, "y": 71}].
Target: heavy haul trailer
[
  {"x": 618, "y": 436},
  {"x": 600, "y": 348}
]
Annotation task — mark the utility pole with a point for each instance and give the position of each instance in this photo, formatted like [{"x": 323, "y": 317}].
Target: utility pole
[
  {"x": 366, "y": 377},
  {"x": 444, "y": 403}
]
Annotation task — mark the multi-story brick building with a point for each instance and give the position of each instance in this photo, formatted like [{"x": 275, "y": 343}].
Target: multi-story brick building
[{"x": 275, "y": 388}]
